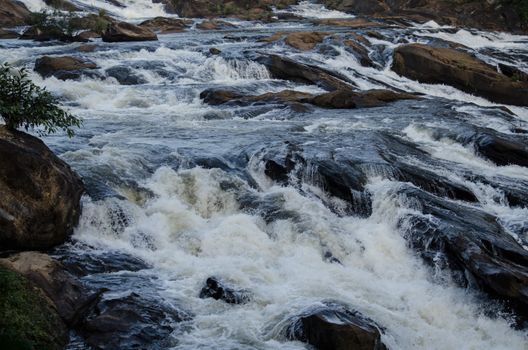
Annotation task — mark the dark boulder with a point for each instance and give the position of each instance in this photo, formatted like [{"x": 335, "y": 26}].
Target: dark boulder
[
  {"x": 347, "y": 98},
  {"x": 122, "y": 31},
  {"x": 70, "y": 298},
  {"x": 448, "y": 66},
  {"x": 64, "y": 67},
  {"x": 130, "y": 322},
  {"x": 28, "y": 319},
  {"x": 219, "y": 291},
  {"x": 502, "y": 149},
  {"x": 214, "y": 51},
  {"x": 333, "y": 327},
  {"x": 40, "y": 194},
  {"x": 288, "y": 69},
  {"x": 214, "y": 24},
  {"x": 125, "y": 76}
]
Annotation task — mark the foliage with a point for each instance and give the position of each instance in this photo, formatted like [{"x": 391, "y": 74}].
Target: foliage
[
  {"x": 61, "y": 22},
  {"x": 24, "y": 104},
  {"x": 26, "y": 319}
]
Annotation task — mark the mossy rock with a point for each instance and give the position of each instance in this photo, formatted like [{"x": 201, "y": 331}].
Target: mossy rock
[{"x": 27, "y": 319}]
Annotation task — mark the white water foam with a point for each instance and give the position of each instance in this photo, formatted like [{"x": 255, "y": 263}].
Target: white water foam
[{"x": 311, "y": 9}]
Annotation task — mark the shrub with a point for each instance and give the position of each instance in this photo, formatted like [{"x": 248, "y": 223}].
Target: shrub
[{"x": 24, "y": 104}]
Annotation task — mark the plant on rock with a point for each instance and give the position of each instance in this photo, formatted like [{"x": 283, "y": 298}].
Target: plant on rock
[{"x": 24, "y": 104}]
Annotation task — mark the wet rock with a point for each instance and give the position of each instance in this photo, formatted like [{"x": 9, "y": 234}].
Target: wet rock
[
  {"x": 122, "y": 31},
  {"x": 348, "y": 22},
  {"x": 48, "y": 33},
  {"x": 29, "y": 319},
  {"x": 13, "y": 13},
  {"x": 166, "y": 25},
  {"x": 285, "y": 68},
  {"x": 8, "y": 34},
  {"x": 40, "y": 194},
  {"x": 217, "y": 290},
  {"x": 472, "y": 244},
  {"x": 513, "y": 73},
  {"x": 93, "y": 22},
  {"x": 502, "y": 150},
  {"x": 376, "y": 35},
  {"x": 214, "y": 51},
  {"x": 70, "y": 298},
  {"x": 125, "y": 75},
  {"x": 447, "y": 66},
  {"x": 214, "y": 25},
  {"x": 360, "y": 52},
  {"x": 131, "y": 322},
  {"x": 63, "y": 5},
  {"x": 63, "y": 67},
  {"x": 347, "y": 98},
  {"x": 333, "y": 327},
  {"x": 305, "y": 40},
  {"x": 87, "y": 35},
  {"x": 218, "y": 97}
]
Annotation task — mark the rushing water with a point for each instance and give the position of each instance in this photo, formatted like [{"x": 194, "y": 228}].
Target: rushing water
[{"x": 181, "y": 185}]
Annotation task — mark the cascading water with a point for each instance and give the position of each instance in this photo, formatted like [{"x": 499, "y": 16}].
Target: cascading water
[{"x": 183, "y": 186}]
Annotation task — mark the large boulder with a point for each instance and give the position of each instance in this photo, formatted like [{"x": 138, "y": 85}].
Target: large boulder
[
  {"x": 216, "y": 289},
  {"x": 69, "y": 297},
  {"x": 288, "y": 69},
  {"x": 28, "y": 319},
  {"x": 63, "y": 67},
  {"x": 13, "y": 13},
  {"x": 333, "y": 327},
  {"x": 123, "y": 31},
  {"x": 214, "y": 24},
  {"x": 451, "y": 67},
  {"x": 40, "y": 194},
  {"x": 305, "y": 40}
]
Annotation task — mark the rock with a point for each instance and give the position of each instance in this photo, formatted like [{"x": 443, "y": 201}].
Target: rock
[
  {"x": 40, "y": 194},
  {"x": 166, "y": 25},
  {"x": 13, "y": 13},
  {"x": 254, "y": 10},
  {"x": 28, "y": 320},
  {"x": 376, "y": 35},
  {"x": 63, "y": 5},
  {"x": 477, "y": 14},
  {"x": 87, "y": 35},
  {"x": 305, "y": 40},
  {"x": 448, "y": 66},
  {"x": 217, "y": 290},
  {"x": 87, "y": 48},
  {"x": 93, "y": 22},
  {"x": 472, "y": 244},
  {"x": 360, "y": 52},
  {"x": 218, "y": 97},
  {"x": 130, "y": 322},
  {"x": 48, "y": 33},
  {"x": 123, "y": 31},
  {"x": 333, "y": 327},
  {"x": 125, "y": 76},
  {"x": 63, "y": 67},
  {"x": 285, "y": 68},
  {"x": 70, "y": 298},
  {"x": 513, "y": 73},
  {"x": 214, "y": 51},
  {"x": 350, "y": 99},
  {"x": 214, "y": 25},
  {"x": 8, "y": 34},
  {"x": 348, "y": 22}
]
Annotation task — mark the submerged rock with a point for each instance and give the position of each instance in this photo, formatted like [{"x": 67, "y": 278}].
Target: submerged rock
[
  {"x": 28, "y": 319},
  {"x": 122, "y": 31},
  {"x": 63, "y": 67},
  {"x": 333, "y": 327},
  {"x": 40, "y": 194},
  {"x": 70, "y": 298},
  {"x": 448, "y": 66},
  {"x": 217, "y": 290},
  {"x": 214, "y": 24},
  {"x": 124, "y": 75},
  {"x": 131, "y": 322}
]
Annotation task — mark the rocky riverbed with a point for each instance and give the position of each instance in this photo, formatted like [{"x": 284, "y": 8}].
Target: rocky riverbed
[{"x": 268, "y": 176}]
